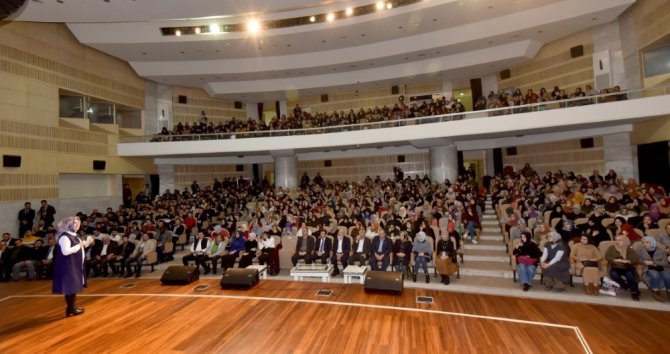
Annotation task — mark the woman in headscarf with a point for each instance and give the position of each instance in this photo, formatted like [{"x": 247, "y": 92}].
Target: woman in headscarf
[
  {"x": 423, "y": 252},
  {"x": 446, "y": 260},
  {"x": 68, "y": 276},
  {"x": 527, "y": 255},
  {"x": 655, "y": 267},
  {"x": 584, "y": 260},
  {"x": 555, "y": 263},
  {"x": 622, "y": 260}
]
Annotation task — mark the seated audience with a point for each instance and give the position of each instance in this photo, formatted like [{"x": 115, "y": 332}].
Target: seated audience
[
  {"x": 423, "y": 253},
  {"x": 361, "y": 249},
  {"x": 585, "y": 262},
  {"x": 199, "y": 252},
  {"x": 102, "y": 254},
  {"x": 555, "y": 263},
  {"x": 144, "y": 247},
  {"x": 655, "y": 267},
  {"x": 622, "y": 259},
  {"x": 527, "y": 255},
  {"x": 304, "y": 246},
  {"x": 341, "y": 250},
  {"x": 21, "y": 258},
  {"x": 323, "y": 247},
  {"x": 380, "y": 251}
]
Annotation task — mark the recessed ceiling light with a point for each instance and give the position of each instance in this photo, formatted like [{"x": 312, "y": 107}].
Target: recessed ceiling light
[
  {"x": 362, "y": 34},
  {"x": 312, "y": 19},
  {"x": 515, "y": 36},
  {"x": 177, "y": 33},
  {"x": 349, "y": 11},
  {"x": 288, "y": 45},
  {"x": 389, "y": 5},
  {"x": 380, "y": 5},
  {"x": 323, "y": 41},
  {"x": 399, "y": 27},
  {"x": 422, "y": 54},
  {"x": 182, "y": 52},
  {"x": 594, "y": 18},
  {"x": 202, "y": 78},
  {"x": 197, "y": 30},
  {"x": 540, "y": 31},
  {"x": 352, "y": 65},
  {"x": 253, "y": 26},
  {"x": 330, "y": 17},
  {"x": 343, "y": 37},
  {"x": 371, "y": 64},
  {"x": 434, "y": 20},
  {"x": 490, "y": 42},
  {"x": 214, "y": 28},
  {"x": 218, "y": 51},
  {"x": 406, "y": 58},
  {"x": 334, "y": 69},
  {"x": 144, "y": 53}
]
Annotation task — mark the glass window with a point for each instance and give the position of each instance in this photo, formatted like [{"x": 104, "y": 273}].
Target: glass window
[
  {"x": 129, "y": 119},
  {"x": 101, "y": 112},
  {"x": 657, "y": 61},
  {"x": 71, "y": 106}
]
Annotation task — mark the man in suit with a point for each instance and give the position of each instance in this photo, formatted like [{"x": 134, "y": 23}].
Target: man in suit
[
  {"x": 7, "y": 238},
  {"x": 323, "y": 247},
  {"x": 362, "y": 247},
  {"x": 22, "y": 257},
  {"x": 199, "y": 251},
  {"x": 144, "y": 247},
  {"x": 304, "y": 246},
  {"x": 124, "y": 251},
  {"x": 26, "y": 218},
  {"x": 5, "y": 266},
  {"x": 45, "y": 256},
  {"x": 47, "y": 213},
  {"x": 341, "y": 249},
  {"x": 381, "y": 248},
  {"x": 103, "y": 253}
]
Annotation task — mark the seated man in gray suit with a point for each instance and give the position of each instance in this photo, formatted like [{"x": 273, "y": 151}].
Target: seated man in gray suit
[{"x": 362, "y": 246}]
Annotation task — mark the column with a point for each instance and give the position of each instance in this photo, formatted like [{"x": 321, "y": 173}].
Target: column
[
  {"x": 165, "y": 178},
  {"x": 252, "y": 110},
  {"x": 620, "y": 155},
  {"x": 444, "y": 163},
  {"x": 489, "y": 163},
  {"x": 286, "y": 171}
]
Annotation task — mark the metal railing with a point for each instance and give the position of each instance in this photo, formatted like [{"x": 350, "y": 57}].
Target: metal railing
[{"x": 401, "y": 122}]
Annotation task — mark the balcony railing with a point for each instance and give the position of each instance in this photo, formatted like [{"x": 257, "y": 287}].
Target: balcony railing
[{"x": 391, "y": 123}]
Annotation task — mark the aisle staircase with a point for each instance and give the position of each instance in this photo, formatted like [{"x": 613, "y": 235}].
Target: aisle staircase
[{"x": 488, "y": 258}]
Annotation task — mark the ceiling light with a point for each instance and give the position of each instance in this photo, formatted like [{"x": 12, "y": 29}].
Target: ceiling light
[
  {"x": 380, "y": 5},
  {"x": 312, "y": 19},
  {"x": 197, "y": 30},
  {"x": 214, "y": 28},
  {"x": 177, "y": 33},
  {"x": 253, "y": 26},
  {"x": 330, "y": 17},
  {"x": 349, "y": 11},
  {"x": 389, "y": 5}
]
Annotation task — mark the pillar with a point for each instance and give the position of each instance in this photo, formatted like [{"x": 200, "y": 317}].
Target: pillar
[
  {"x": 620, "y": 155},
  {"x": 165, "y": 178},
  {"x": 286, "y": 171},
  {"x": 490, "y": 165},
  {"x": 444, "y": 163}
]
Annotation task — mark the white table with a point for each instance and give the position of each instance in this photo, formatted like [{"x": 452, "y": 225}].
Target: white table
[
  {"x": 302, "y": 271},
  {"x": 354, "y": 271},
  {"x": 262, "y": 270}
]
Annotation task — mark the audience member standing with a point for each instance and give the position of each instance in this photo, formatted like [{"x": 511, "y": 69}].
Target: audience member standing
[
  {"x": 26, "y": 218},
  {"x": 47, "y": 213}
]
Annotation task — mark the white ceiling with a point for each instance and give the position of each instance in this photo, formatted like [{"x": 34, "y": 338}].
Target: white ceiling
[{"x": 392, "y": 47}]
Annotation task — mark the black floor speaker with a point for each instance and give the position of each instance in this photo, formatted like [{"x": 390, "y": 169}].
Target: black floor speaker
[
  {"x": 239, "y": 278},
  {"x": 384, "y": 281},
  {"x": 180, "y": 275}
]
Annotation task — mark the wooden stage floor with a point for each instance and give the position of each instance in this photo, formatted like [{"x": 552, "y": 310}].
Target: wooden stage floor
[{"x": 288, "y": 317}]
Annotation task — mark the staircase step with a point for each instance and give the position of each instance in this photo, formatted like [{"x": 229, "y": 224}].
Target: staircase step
[
  {"x": 479, "y": 268},
  {"x": 484, "y": 252},
  {"x": 490, "y": 216},
  {"x": 491, "y": 223},
  {"x": 497, "y": 258},
  {"x": 497, "y": 238},
  {"x": 490, "y": 247}
]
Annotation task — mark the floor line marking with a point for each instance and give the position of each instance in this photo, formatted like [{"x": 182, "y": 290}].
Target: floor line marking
[{"x": 583, "y": 341}]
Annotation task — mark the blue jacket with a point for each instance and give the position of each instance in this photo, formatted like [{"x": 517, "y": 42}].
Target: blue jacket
[{"x": 237, "y": 245}]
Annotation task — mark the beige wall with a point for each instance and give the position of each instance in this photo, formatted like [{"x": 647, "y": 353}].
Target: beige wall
[
  {"x": 36, "y": 61},
  {"x": 652, "y": 21},
  {"x": 184, "y": 175},
  {"x": 651, "y": 131},
  {"x": 553, "y": 66},
  {"x": 356, "y": 169},
  {"x": 565, "y": 155},
  {"x": 217, "y": 110}
]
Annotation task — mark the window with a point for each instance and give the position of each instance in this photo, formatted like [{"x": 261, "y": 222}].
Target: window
[
  {"x": 71, "y": 106},
  {"x": 656, "y": 61},
  {"x": 101, "y": 112}
]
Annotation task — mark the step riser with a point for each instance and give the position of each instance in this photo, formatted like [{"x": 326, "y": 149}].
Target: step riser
[
  {"x": 484, "y": 247},
  {"x": 491, "y": 238},
  {"x": 497, "y": 259},
  {"x": 486, "y": 273}
]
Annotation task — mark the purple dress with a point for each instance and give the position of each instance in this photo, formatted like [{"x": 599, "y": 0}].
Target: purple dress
[{"x": 68, "y": 275}]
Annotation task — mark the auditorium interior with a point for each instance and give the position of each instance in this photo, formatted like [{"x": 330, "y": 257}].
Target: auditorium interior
[{"x": 338, "y": 176}]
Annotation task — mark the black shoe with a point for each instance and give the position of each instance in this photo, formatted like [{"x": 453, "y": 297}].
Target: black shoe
[
  {"x": 335, "y": 273},
  {"x": 427, "y": 278},
  {"x": 414, "y": 278},
  {"x": 446, "y": 280},
  {"x": 73, "y": 312},
  {"x": 206, "y": 271},
  {"x": 137, "y": 275},
  {"x": 635, "y": 296},
  {"x": 526, "y": 287}
]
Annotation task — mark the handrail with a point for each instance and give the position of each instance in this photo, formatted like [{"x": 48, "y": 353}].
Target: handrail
[{"x": 531, "y": 107}]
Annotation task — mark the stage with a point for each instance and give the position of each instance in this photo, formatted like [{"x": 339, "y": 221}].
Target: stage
[{"x": 288, "y": 317}]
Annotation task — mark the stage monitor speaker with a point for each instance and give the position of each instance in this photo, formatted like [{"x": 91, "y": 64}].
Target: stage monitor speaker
[
  {"x": 586, "y": 143},
  {"x": 238, "y": 105},
  {"x": 576, "y": 52},
  {"x": 324, "y": 98},
  {"x": 99, "y": 164},
  {"x": 183, "y": 99},
  {"x": 239, "y": 278},
  {"x": 401, "y": 158},
  {"x": 384, "y": 281},
  {"x": 505, "y": 74},
  {"x": 180, "y": 275},
  {"x": 395, "y": 90},
  {"x": 11, "y": 161},
  {"x": 327, "y": 163},
  {"x": 511, "y": 151}
]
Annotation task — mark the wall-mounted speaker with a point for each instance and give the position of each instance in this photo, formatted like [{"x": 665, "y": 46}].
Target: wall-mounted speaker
[
  {"x": 395, "y": 90},
  {"x": 238, "y": 105},
  {"x": 511, "y": 151},
  {"x": 11, "y": 161},
  {"x": 586, "y": 143},
  {"x": 401, "y": 158},
  {"x": 324, "y": 98},
  {"x": 239, "y": 168},
  {"x": 576, "y": 52},
  {"x": 183, "y": 99},
  {"x": 505, "y": 74},
  {"x": 99, "y": 164},
  {"x": 327, "y": 163}
]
